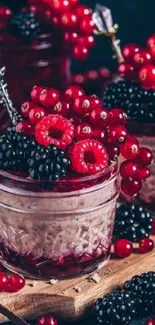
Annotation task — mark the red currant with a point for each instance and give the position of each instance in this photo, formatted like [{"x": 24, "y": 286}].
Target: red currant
[
  {"x": 5, "y": 13},
  {"x": 91, "y": 75},
  {"x": 100, "y": 135},
  {"x": 73, "y": 92},
  {"x": 117, "y": 117},
  {"x": 87, "y": 40},
  {"x": 80, "y": 52},
  {"x": 16, "y": 283},
  {"x": 143, "y": 172},
  {"x": 74, "y": 2},
  {"x": 129, "y": 50},
  {"x": 104, "y": 73},
  {"x": 123, "y": 248},
  {"x": 126, "y": 70},
  {"x": 48, "y": 320},
  {"x": 113, "y": 151},
  {"x": 63, "y": 107},
  {"x": 71, "y": 37},
  {"x": 151, "y": 45},
  {"x": 95, "y": 102},
  {"x": 130, "y": 148},
  {"x": 3, "y": 281},
  {"x": 82, "y": 105},
  {"x": 150, "y": 321},
  {"x": 36, "y": 114},
  {"x": 68, "y": 20},
  {"x": 60, "y": 6},
  {"x": 117, "y": 135},
  {"x": 145, "y": 157},
  {"x": 84, "y": 131},
  {"x": 87, "y": 25},
  {"x": 131, "y": 186},
  {"x": 128, "y": 169},
  {"x": 99, "y": 117},
  {"x": 25, "y": 127},
  {"x": 26, "y": 107},
  {"x": 82, "y": 11},
  {"x": 55, "y": 21},
  {"x": 35, "y": 93},
  {"x": 146, "y": 245},
  {"x": 78, "y": 79},
  {"x": 147, "y": 76},
  {"x": 49, "y": 97},
  {"x": 141, "y": 58},
  {"x": 153, "y": 225}
]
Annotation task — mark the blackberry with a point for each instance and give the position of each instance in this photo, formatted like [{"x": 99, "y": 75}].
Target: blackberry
[
  {"x": 132, "y": 222},
  {"x": 116, "y": 308},
  {"x": 143, "y": 288},
  {"x": 47, "y": 163},
  {"x": 138, "y": 103},
  {"x": 10, "y": 157},
  {"x": 25, "y": 25}
]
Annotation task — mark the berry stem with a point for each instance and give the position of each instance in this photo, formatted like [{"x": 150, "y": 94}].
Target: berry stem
[{"x": 6, "y": 101}]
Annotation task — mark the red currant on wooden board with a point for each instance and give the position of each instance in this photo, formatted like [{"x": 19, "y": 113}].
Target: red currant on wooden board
[{"x": 123, "y": 248}]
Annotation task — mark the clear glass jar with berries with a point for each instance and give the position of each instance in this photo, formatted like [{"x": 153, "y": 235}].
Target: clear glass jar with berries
[
  {"x": 135, "y": 94},
  {"x": 59, "y": 182},
  {"x": 36, "y": 44}
]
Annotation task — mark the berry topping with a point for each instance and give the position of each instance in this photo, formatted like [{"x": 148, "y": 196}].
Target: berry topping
[
  {"x": 56, "y": 130},
  {"x": 73, "y": 92},
  {"x": 146, "y": 245},
  {"x": 132, "y": 222},
  {"x": 49, "y": 97},
  {"x": 82, "y": 105},
  {"x": 47, "y": 320},
  {"x": 89, "y": 157},
  {"x": 47, "y": 163},
  {"x": 16, "y": 283},
  {"x": 84, "y": 131},
  {"x": 130, "y": 148},
  {"x": 3, "y": 282},
  {"x": 36, "y": 114},
  {"x": 123, "y": 248},
  {"x": 25, "y": 25},
  {"x": 131, "y": 186}
]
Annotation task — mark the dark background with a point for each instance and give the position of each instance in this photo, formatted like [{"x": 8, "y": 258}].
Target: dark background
[{"x": 136, "y": 19}]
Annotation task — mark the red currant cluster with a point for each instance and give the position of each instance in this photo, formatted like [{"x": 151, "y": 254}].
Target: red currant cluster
[
  {"x": 14, "y": 283},
  {"x": 138, "y": 63},
  {"x": 150, "y": 321},
  {"x": 5, "y": 15},
  {"x": 92, "y": 135},
  {"x": 75, "y": 20},
  {"x": 123, "y": 247},
  {"x": 47, "y": 320}
]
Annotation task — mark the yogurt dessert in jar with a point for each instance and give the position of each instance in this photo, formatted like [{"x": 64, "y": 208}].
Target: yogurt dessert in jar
[{"x": 58, "y": 183}]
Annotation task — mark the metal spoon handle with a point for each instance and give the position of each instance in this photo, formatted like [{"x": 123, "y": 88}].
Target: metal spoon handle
[{"x": 11, "y": 316}]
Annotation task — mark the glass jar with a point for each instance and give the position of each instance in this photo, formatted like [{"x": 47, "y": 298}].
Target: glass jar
[
  {"x": 43, "y": 61},
  {"x": 62, "y": 233}
]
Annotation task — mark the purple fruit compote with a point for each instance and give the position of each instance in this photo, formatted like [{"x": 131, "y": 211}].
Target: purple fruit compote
[{"x": 58, "y": 183}]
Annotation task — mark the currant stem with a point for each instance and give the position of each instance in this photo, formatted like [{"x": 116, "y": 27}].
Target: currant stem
[{"x": 6, "y": 101}]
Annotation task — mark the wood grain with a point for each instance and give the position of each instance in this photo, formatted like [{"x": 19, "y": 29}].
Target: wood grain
[{"x": 63, "y": 301}]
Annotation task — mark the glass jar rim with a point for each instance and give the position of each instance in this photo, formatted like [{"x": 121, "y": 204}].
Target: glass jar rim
[{"x": 16, "y": 178}]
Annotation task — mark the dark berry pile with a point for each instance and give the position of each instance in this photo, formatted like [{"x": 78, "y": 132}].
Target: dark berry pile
[
  {"x": 138, "y": 103},
  {"x": 136, "y": 299},
  {"x": 20, "y": 152},
  {"x": 132, "y": 222},
  {"x": 25, "y": 25}
]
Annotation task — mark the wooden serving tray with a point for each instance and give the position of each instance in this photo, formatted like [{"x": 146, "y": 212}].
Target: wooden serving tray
[{"x": 71, "y": 299}]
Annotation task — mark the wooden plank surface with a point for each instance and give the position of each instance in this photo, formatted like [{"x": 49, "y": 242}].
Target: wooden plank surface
[{"x": 61, "y": 299}]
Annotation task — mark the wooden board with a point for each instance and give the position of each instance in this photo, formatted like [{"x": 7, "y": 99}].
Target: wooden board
[{"x": 61, "y": 299}]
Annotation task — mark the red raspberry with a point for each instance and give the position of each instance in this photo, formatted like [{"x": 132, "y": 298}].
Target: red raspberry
[
  {"x": 73, "y": 92},
  {"x": 35, "y": 94},
  {"x": 56, "y": 130},
  {"x": 36, "y": 115},
  {"x": 82, "y": 105},
  {"x": 16, "y": 283},
  {"x": 26, "y": 107},
  {"x": 25, "y": 127},
  {"x": 49, "y": 97},
  {"x": 123, "y": 248},
  {"x": 47, "y": 320},
  {"x": 84, "y": 131},
  {"x": 89, "y": 157},
  {"x": 99, "y": 117}
]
